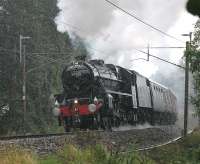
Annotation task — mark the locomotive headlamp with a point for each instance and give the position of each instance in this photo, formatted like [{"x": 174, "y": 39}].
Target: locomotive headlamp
[
  {"x": 75, "y": 109},
  {"x": 56, "y": 103},
  {"x": 56, "y": 111},
  {"x": 95, "y": 100},
  {"x": 75, "y": 101},
  {"x": 92, "y": 108}
]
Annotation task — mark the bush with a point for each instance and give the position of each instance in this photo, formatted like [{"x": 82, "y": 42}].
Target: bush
[
  {"x": 17, "y": 156},
  {"x": 95, "y": 155}
]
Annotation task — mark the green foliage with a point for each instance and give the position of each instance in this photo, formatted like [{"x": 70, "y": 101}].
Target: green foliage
[
  {"x": 72, "y": 155},
  {"x": 50, "y": 160},
  {"x": 95, "y": 155},
  {"x": 186, "y": 151},
  {"x": 193, "y": 6},
  {"x": 33, "y": 18},
  {"x": 194, "y": 58},
  {"x": 15, "y": 155}
]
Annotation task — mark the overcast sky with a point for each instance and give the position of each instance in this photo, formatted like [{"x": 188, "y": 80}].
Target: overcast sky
[
  {"x": 115, "y": 35},
  {"x": 112, "y": 35}
]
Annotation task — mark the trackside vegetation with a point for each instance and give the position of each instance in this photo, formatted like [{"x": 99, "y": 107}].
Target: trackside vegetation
[
  {"x": 71, "y": 154},
  {"x": 95, "y": 155},
  {"x": 14, "y": 155},
  {"x": 194, "y": 58},
  {"x": 185, "y": 151}
]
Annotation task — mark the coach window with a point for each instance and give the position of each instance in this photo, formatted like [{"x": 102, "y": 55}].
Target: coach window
[
  {"x": 147, "y": 82},
  {"x": 170, "y": 101}
]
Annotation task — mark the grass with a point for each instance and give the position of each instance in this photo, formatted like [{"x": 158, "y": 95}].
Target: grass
[
  {"x": 15, "y": 155},
  {"x": 72, "y": 155},
  {"x": 94, "y": 155},
  {"x": 185, "y": 151}
]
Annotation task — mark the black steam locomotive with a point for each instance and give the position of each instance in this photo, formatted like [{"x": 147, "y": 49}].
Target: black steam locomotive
[{"x": 98, "y": 95}]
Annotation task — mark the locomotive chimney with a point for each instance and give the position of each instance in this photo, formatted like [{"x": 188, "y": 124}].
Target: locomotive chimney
[{"x": 80, "y": 58}]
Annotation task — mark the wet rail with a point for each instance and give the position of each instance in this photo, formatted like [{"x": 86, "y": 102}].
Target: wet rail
[
  {"x": 31, "y": 136},
  {"x": 51, "y": 142},
  {"x": 163, "y": 144}
]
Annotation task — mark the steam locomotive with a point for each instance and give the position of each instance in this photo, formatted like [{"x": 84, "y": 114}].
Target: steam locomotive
[{"x": 98, "y": 95}]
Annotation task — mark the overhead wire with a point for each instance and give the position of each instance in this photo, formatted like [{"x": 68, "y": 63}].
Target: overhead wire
[
  {"x": 51, "y": 61},
  {"x": 37, "y": 55},
  {"x": 165, "y": 47},
  {"x": 8, "y": 50},
  {"x": 142, "y": 21},
  {"x": 159, "y": 58},
  {"x": 60, "y": 61},
  {"x": 92, "y": 48}
]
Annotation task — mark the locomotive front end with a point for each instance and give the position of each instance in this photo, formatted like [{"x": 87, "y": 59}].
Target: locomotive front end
[
  {"x": 77, "y": 107},
  {"x": 76, "y": 80}
]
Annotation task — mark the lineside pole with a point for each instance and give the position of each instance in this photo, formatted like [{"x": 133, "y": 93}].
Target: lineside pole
[
  {"x": 186, "y": 88},
  {"x": 23, "y": 67},
  {"x": 24, "y": 88}
]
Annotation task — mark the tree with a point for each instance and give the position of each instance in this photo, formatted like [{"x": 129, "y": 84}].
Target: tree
[
  {"x": 34, "y": 18},
  {"x": 194, "y": 57},
  {"x": 193, "y": 6}
]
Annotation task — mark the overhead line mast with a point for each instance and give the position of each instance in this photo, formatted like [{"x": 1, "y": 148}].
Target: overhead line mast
[{"x": 158, "y": 58}]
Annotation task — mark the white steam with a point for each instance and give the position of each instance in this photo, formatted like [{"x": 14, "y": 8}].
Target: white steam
[
  {"x": 89, "y": 15},
  {"x": 107, "y": 29},
  {"x": 130, "y": 127},
  {"x": 113, "y": 35}
]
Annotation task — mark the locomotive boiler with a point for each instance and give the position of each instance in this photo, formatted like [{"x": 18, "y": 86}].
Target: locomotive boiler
[{"x": 98, "y": 95}]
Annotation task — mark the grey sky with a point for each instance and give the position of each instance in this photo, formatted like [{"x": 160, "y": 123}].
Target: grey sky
[
  {"x": 109, "y": 30},
  {"x": 114, "y": 35}
]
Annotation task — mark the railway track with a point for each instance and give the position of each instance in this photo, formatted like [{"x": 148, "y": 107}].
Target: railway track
[
  {"x": 6, "y": 138},
  {"x": 115, "y": 130},
  {"x": 163, "y": 144},
  {"x": 145, "y": 139},
  {"x": 32, "y": 136}
]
